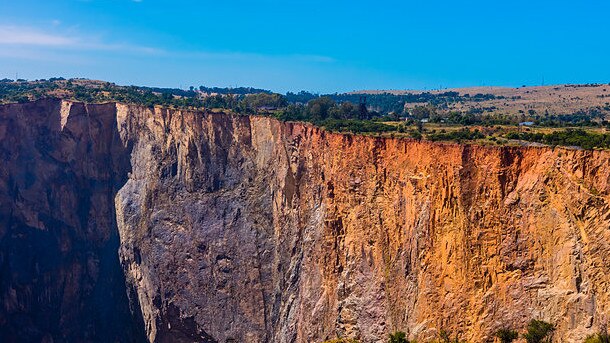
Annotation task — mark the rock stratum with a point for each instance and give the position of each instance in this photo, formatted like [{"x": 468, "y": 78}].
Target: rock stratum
[{"x": 124, "y": 223}]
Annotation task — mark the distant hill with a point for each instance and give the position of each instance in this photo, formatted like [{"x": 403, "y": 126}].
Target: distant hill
[{"x": 558, "y": 99}]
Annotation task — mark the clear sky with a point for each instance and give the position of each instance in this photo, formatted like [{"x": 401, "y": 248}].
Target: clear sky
[{"x": 325, "y": 46}]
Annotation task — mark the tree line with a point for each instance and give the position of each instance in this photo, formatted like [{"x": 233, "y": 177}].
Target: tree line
[{"x": 338, "y": 112}]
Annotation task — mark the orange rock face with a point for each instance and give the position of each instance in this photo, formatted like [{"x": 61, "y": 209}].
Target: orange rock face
[
  {"x": 246, "y": 229},
  {"x": 263, "y": 231}
]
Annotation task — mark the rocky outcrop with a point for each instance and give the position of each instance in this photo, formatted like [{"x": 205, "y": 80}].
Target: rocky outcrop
[
  {"x": 60, "y": 278},
  {"x": 246, "y": 229}
]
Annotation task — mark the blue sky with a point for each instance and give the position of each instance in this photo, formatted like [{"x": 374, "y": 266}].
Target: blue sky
[{"x": 323, "y": 46}]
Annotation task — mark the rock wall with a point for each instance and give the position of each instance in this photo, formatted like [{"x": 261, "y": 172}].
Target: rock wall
[
  {"x": 245, "y": 229},
  {"x": 60, "y": 277},
  {"x": 253, "y": 230}
]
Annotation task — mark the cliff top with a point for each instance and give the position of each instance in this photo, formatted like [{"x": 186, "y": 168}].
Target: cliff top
[{"x": 503, "y": 116}]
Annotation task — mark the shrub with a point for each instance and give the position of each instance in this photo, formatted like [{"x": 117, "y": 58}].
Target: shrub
[
  {"x": 355, "y": 126},
  {"x": 398, "y": 337},
  {"x": 460, "y": 135},
  {"x": 342, "y": 340},
  {"x": 538, "y": 331},
  {"x": 415, "y": 134},
  {"x": 582, "y": 138},
  {"x": 601, "y": 337},
  {"x": 445, "y": 337},
  {"x": 507, "y": 335}
]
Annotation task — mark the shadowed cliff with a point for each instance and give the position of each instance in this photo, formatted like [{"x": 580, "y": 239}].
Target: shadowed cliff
[{"x": 60, "y": 277}]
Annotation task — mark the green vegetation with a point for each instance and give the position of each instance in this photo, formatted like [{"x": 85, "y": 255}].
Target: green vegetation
[
  {"x": 398, "y": 337},
  {"x": 342, "y": 340},
  {"x": 418, "y": 116},
  {"x": 569, "y": 137},
  {"x": 322, "y": 108},
  {"x": 96, "y": 92},
  {"x": 507, "y": 335},
  {"x": 355, "y": 126},
  {"x": 386, "y": 103},
  {"x": 227, "y": 91},
  {"x": 445, "y": 337},
  {"x": 460, "y": 135},
  {"x": 539, "y": 331},
  {"x": 263, "y": 101},
  {"x": 601, "y": 337},
  {"x": 579, "y": 118}
]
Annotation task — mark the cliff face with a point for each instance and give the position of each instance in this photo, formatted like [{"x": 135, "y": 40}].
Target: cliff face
[
  {"x": 60, "y": 278},
  {"x": 245, "y": 229}
]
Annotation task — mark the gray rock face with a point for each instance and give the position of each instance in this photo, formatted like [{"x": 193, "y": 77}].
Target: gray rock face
[
  {"x": 245, "y": 229},
  {"x": 203, "y": 208}
]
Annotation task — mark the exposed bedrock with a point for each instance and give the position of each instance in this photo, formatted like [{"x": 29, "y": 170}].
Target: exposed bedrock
[
  {"x": 258, "y": 231},
  {"x": 246, "y": 229},
  {"x": 60, "y": 277}
]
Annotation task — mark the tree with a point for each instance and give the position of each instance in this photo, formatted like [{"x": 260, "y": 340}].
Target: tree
[
  {"x": 539, "y": 331},
  {"x": 398, "y": 337},
  {"x": 422, "y": 112},
  {"x": 420, "y": 126},
  {"x": 402, "y": 127},
  {"x": 415, "y": 135},
  {"x": 318, "y": 108},
  {"x": 348, "y": 110},
  {"x": 262, "y": 100},
  {"x": 363, "y": 111},
  {"x": 507, "y": 335}
]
